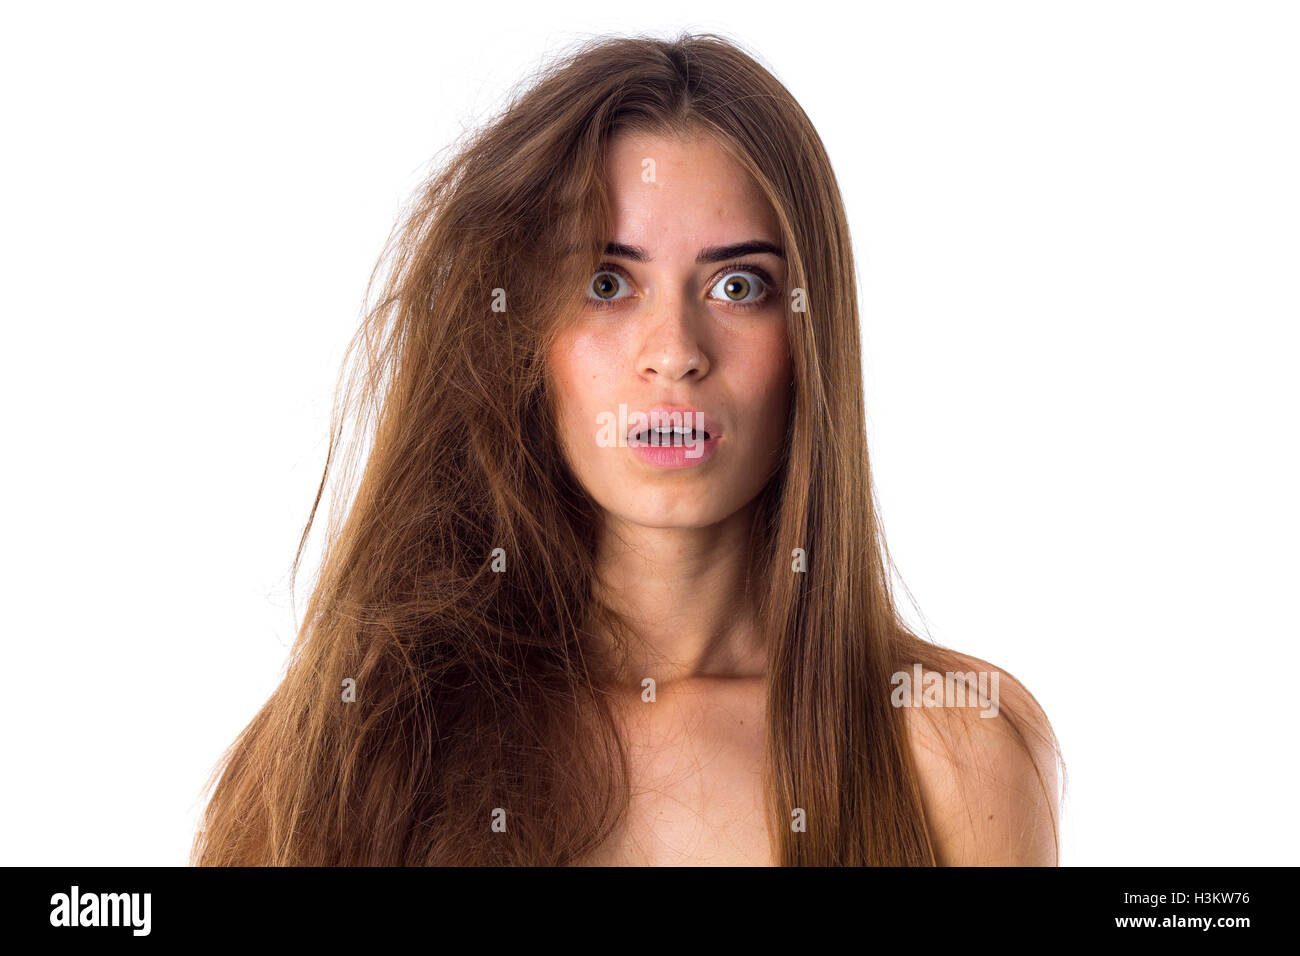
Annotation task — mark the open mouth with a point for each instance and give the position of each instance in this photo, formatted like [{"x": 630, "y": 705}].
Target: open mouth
[{"x": 675, "y": 435}]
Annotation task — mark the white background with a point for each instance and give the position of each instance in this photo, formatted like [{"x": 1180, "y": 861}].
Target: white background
[{"x": 1077, "y": 233}]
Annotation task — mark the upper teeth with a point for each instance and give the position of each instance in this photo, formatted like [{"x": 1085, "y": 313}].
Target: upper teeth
[{"x": 666, "y": 431}]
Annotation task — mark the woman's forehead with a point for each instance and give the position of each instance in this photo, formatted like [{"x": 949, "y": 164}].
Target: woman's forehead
[{"x": 669, "y": 193}]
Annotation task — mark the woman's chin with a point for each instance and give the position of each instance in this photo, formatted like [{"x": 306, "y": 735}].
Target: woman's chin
[{"x": 676, "y": 514}]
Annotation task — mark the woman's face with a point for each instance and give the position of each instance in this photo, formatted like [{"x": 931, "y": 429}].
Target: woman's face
[{"x": 678, "y": 318}]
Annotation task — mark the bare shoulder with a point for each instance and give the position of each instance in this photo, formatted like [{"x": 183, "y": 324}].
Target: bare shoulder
[{"x": 987, "y": 770}]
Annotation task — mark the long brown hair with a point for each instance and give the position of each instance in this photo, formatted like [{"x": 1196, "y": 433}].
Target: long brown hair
[{"x": 479, "y": 690}]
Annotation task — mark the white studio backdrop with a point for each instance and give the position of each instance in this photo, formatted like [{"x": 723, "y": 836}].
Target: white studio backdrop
[{"x": 1075, "y": 226}]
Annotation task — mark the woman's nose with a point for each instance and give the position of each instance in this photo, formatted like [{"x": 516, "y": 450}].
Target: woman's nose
[{"x": 671, "y": 348}]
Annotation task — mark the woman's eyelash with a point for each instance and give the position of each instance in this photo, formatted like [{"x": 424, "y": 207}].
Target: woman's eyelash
[{"x": 769, "y": 286}]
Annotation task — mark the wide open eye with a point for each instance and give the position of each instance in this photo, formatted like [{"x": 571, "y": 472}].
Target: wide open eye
[
  {"x": 740, "y": 287},
  {"x": 606, "y": 286}
]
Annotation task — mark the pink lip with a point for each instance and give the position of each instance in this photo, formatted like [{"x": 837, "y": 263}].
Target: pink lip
[{"x": 676, "y": 456}]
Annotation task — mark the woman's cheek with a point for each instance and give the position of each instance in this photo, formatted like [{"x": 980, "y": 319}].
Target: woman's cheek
[
  {"x": 763, "y": 368},
  {"x": 581, "y": 390},
  {"x": 768, "y": 381}
]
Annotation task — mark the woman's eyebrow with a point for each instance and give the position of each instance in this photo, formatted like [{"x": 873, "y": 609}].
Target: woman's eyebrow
[{"x": 712, "y": 254}]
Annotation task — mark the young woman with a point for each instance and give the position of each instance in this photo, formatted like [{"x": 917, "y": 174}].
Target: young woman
[{"x": 611, "y": 588}]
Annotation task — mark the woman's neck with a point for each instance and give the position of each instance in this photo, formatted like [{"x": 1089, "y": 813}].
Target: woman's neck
[{"x": 682, "y": 592}]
